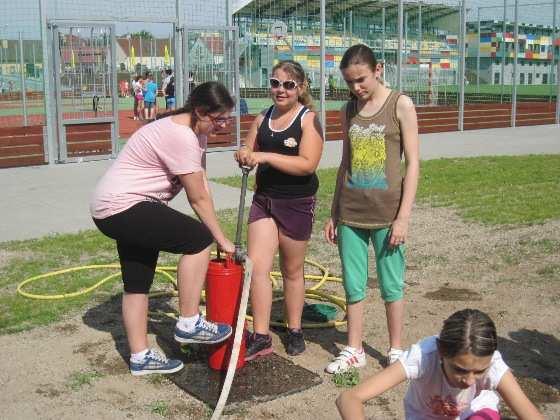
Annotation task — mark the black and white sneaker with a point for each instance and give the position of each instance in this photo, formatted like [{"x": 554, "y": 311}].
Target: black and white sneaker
[
  {"x": 204, "y": 332},
  {"x": 155, "y": 362}
]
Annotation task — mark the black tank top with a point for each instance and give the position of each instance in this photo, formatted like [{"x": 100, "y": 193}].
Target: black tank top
[{"x": 273, "y": 182}]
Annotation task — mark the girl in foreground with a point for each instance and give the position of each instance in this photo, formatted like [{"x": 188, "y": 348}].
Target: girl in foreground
[{"x": 452, "y": 376}]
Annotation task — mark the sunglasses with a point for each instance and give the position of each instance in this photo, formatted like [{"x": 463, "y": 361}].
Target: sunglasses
[{"x": 286, "y": 84}]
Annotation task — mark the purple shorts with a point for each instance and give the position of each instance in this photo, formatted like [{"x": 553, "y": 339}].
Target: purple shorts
[{"x": 293, "y": 216}]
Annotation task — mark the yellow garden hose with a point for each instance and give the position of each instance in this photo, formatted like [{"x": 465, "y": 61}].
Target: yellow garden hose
[{"x": 169, "y": 273}]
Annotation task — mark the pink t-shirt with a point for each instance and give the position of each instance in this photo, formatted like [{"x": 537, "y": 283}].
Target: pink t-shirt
[{"x": 147, "y": 168}]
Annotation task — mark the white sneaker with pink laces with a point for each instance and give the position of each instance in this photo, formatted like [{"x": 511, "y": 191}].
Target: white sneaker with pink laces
[
  {"x": 393, "y": 355},
  {"x": 349, "y": 357}
]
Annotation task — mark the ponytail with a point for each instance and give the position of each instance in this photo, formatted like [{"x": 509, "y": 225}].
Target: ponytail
[{"x": 305, "y": 98}]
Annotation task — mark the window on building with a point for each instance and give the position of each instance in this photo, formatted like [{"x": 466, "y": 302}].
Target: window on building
[
  {"x": 545, "y": 79},
  {"x": 530, "y": 78},
  {"x": 497, "y": 78},
  {"x": 521, "y": 78}
]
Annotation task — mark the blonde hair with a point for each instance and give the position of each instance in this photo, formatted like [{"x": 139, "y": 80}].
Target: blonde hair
[{"x": 294, "y": 69}]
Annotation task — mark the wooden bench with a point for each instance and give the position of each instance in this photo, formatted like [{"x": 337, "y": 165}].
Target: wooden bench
[
  {"x": 88, "y": 139},
  {"x": 535, "y": 113},
  {"x": 432, "y": 119},
  {"x": 21, "y": 146}
]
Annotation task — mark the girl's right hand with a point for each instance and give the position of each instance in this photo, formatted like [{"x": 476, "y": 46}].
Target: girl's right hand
[
  {"x": 242, "y": 156},
  {"x": 226, "y": 245},
  {"x": 330, "y": 231}
]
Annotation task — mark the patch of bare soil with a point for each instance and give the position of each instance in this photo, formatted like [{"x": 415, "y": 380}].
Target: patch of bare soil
[{"x": 77, "y": 369}]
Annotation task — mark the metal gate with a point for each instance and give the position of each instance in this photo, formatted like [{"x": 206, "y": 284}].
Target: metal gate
[
  {"x": 211, "y": 54},
  {"x": 85, "y": 90}
]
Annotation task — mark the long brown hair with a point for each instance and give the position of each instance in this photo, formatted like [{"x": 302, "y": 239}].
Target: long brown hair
[
  {"x": 359, "y": 54},
  {"x": 294, "y": 69},
  {"x": 208, "y": 97}
]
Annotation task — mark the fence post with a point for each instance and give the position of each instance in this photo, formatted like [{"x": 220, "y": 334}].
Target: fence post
[
  {"x": 50, "y": 119},
  {"x": 400, "y": 45},
  {"x": 322, "y": 70},
  {"x": 114, "y": 91},
  {"x": 461, "y": 78},
  {"x": 383, "y": 37},
  {"x": 504, "y": 28},
  {"x": 22, "y": 78},
  {"x": 419, "y": 40},
  {"x": 556, "y": 35},
  {"x": 515, "y": 54},
  {"x": 478, "y": 53},
  {"x": 350, "y": 28},
  {"x": 178, "y": 34}
]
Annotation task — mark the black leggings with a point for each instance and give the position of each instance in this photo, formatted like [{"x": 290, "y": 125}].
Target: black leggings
[{"x": 145, "y": 229}]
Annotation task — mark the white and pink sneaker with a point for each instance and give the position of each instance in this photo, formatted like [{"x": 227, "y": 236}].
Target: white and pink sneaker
[{"x": 348, "y": 357}]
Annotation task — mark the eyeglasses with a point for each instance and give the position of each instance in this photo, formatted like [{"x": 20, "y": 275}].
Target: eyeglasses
[
  {"x": 220, "y": 120},
  {"x": 286, "y": 84}
]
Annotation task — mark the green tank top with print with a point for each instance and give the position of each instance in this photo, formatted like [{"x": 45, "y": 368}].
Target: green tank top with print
[{"x": 371, "y": 191}]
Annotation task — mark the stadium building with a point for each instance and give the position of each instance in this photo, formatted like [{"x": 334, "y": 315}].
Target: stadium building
[
  {"x": 273, "y": 30},
  {"x": 537, "y": 56}
]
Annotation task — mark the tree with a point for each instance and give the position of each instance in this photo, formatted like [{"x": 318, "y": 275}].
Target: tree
[{"x": 142, "y": 34}]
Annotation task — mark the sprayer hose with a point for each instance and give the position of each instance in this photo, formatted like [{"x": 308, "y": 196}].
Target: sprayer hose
[{"x": 168, "y": 272}]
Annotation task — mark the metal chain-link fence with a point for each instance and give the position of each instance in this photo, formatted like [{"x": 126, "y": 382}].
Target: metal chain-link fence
[{"x": 440, "y": 53}]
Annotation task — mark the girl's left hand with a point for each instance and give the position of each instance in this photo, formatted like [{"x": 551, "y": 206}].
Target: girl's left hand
[
  {"x": 399, "y": 230},
  {"x": 255, "y": 158}
]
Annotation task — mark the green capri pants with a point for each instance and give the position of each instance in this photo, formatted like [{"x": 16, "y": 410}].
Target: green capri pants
[{"x": 353, "y": 249}]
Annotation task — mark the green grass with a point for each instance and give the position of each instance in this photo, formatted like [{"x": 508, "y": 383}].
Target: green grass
[
  {"x": 20, "y": 260},
  {"x": 160, "y": 407},
  {"x": 490, "y": 190},
  {"x": 346, "y": 379},
  {"x": 256, "y": 105},
  {"x": 495, "y": 190},
  {"x": 78, "y": 379}
]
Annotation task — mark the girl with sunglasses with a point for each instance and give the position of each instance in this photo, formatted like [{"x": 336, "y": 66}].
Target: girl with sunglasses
[
  {"x": 285, "y": 142},
  {"x": 373, "y": 199},
  {"x": 130, "y": 205},
  {"x": 455, "y": 375}
]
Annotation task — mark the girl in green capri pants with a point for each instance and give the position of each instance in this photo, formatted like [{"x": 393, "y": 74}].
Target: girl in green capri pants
[{"x": 372, "y": 199}]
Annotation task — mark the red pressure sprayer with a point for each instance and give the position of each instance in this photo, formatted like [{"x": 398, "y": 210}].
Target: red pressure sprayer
[{"x": 224, "y": 284}]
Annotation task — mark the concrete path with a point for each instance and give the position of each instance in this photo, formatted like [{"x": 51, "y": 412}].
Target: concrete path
[{"x": 42, "y": 200}]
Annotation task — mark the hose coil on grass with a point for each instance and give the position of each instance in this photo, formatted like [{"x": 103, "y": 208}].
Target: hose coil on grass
[{"x": 169, "y": 273}]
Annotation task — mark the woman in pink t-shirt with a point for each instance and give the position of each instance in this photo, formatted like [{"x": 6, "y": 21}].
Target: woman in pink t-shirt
[{"x": 129, "y": 205}]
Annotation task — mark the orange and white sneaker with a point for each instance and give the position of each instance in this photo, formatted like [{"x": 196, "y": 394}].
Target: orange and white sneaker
[{"x": 349, "y": 357}]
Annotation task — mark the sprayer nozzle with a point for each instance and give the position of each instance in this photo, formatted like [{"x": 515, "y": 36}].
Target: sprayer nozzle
[{"x": 239, "y": 255}]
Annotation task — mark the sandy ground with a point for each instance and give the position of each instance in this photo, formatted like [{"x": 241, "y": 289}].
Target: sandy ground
[{"x": 511, "y": 273}]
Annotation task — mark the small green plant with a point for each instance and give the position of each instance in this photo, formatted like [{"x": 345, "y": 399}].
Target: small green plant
[
  {"x": 551, "y": 271},
  {"x": 160, "y": 407},
  {"x": 156, "y": 379},
  {"x": 186, "y": 350},
  {"x": 347, "y": 379},
  {"x": 78, "y": 379}
]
